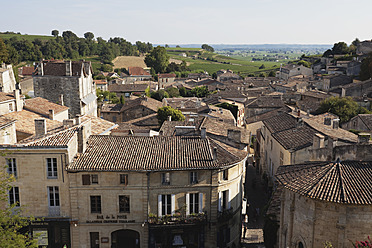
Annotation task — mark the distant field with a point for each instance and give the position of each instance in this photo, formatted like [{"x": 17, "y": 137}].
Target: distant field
[
  {"x": 128, "y": 61},
  {"x": 26, "y": 37}
]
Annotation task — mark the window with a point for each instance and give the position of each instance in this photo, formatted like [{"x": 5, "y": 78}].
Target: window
[
  {"x": 165, "y": 178},
  {"x": 193, "y": 177},
  {"x": 223, "y": 200},
  {"x": 10, "y": 107},
  {"x": 14, "y": 196},
  {"x": 124, "y": 204},
  {"x": 124, "y": 179},
  {"x": 12, "y": 166},
  {"x": 89, "y": 179},
  {"x": 225, "y": 174},
  {"x": 53, "y": 196},
  {"x": 52, "y": 168},
  {"x": 194, "y": 203},
  {"x": 166, "y": 204},
  {"x": 94, "y": 239},
  {"x": 95, "y": 204}
]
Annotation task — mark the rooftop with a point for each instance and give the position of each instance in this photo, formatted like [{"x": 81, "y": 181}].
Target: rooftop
[
  {"x": 158, "y": 153},
  {"x": 137, "y": 71},
  {"x": 345, "y": 182},
  {"x": 127, "y": 87},
  {"x": 59, "y": 68},
  {"x": 42, "y": 106}
]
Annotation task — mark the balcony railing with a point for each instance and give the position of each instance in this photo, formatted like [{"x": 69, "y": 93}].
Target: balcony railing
[{"x": 198, "y": 218}]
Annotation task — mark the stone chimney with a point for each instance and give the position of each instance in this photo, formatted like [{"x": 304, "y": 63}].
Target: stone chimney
[
  {"x": 68, "y": 68},
  {"x": 169, "y": 118},
  {"x": 203, "y": 132},
  {"x": 51, "y": 114},
  {"x": 363, "y": 138},
  {"x": 234, "y": 135},
  {"x": 78, "y": 120},
  {"x": 61, "y": 100},
  {"x": 318, "y": 141},
  {"x": 18, "y": 102},
  {"x": 40, "y": 127},
  {"x": 83, "y": 135},
  {"x": 335, "y": 123},
  {"x": 69, "y": 122}
]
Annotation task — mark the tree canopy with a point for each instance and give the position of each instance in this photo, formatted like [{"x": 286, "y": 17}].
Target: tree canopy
[
  {"x": 158, "y": 59},
  {"x": 166, "y": 111},
  {"x": 344, "y": 107},
  {"x": 207, "y": 48},
  {"x": 365, "y": 68}
]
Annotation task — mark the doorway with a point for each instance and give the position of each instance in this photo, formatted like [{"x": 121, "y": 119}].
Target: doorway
[{"x": 125, "y": 238}]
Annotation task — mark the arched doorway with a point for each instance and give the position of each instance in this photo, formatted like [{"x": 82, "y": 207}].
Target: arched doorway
[{"x": 125, "y": 238}]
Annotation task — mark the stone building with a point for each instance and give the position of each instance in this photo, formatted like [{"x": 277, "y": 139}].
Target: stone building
[
  {"x": 7, "y": 79},
  {"x": 325, "y": 202},
  {"x": 69, "y": 83},
  {"x": 188, "y": 196},
  {"x": 291, "y": 70},
  {"x": 165, "y": 80}
]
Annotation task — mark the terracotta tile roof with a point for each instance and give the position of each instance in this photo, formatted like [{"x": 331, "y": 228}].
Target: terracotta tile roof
[
  {"x": 127, "y": 87},
  {"x": 346, "y": 182},
  {"x": 27, "y": 70},
  {"x": 128, "y": 153},
  {"x": 42, "y": 106},
  {"x": 266, "y": 102},
  {"x": 6, "y": 97},
  {"x": 168, "y": 128},
  {"x": 137, "y": 71},
  {"x": 58, "y": 68},
  {"x": 280, "y": 122},
  {"x": 185, "y": 103},
  {"x": 26, "y": 124},
  {"x": 100, "y": 82},
  {"x": 108, "y": 107},
  {"x": 168, "y": 75},
  {"x": 221, "y": 128},
  {"x": 295, "y": 138},
  {"x": 144, "y": 101},
  {"x": 99, "y": 126},
  {"x": 59, "y": 139},
  {"x": 5, "y": 121},
  {"x": 267, "y": 115}
]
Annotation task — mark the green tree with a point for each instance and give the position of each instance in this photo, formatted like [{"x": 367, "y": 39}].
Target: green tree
[
  {"x": 207, "y": 48},
  {"x": 159, "y": 95},
  {"x": 340, "y": 48},
  {"x": 11, "y": 221},
  {"x": 344, "y": 107},
  {"x": 3, "y": 51},
  {"x": 262, "y": 67},
  {"x": 55, "y": 33},
  {"x": 173, "y": 92},
  {"x": 166, "y": 111},
  {"x": 122, "y": 100},
  {"x": 304, "y": 63},
  {"x": 272, "y": 74},
  {"x": 366, "y": 68},
  {"x": 158, "y": 59},
  {"x": 233, "y": 108},
  {"x": 89, "y": 36}
]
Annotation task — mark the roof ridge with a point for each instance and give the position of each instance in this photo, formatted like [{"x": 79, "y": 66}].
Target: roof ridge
[{"x": 341, "y": 179}]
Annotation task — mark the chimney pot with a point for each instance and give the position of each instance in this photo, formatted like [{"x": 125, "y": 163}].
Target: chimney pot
[
  {"x": 51, "y": 114},
  {"x": 40, "y": 127},
  {"x": 203, "y": 132}
]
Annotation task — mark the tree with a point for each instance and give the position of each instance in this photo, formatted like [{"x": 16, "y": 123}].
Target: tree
[
  {"x": 55, "y": 33},
  {"x": 207, "y": 48},
  {"x": 159, "y": 95},
  {"x": 89, "y": 36},
  {"x": 158, "y": 59},
  {"x": 3, "y": 51},
  {"x": 11, "y": 221},
  {"x": 262, "y": 67},
  {"x": 122, "y": 100},
  {"x": 365, "y": 68},
  {"x": 344, "y": 107},
  {"x": 173, "y": 92},
  {"x": 272, "y": 74},
  {"x": 166, "y": 111},
  {"x": 340, "y": 48}
]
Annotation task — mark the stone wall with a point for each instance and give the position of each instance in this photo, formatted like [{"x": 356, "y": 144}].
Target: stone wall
[{"x": 314, "y": 222}]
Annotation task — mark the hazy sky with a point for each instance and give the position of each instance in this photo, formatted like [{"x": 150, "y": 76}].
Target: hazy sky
[{"x": 196, "y": 21}]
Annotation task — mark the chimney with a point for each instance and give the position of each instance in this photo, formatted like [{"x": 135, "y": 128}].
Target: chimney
[
  {"x": 335, "y": 123},
  {"x": 298, "y": 113},
  {"x": 343, "y": 92},
  {"x": 78, "y": 120},
  {"x": 327, "y": 121},
  {"x": 214, "y": 153},
  {"x": 18, "y": 102},
  {"x": 81, "y": 140},
  {"x": 40, "y": 127},
  {"x": 318, "y": 141},
  {"x": 61, "y": 100},
  {"x": 363, "y": 138},
  {"x": 300, "y": 123},
  {"x": 169, "y": 118},
  {"x": 40, "y": 70},
  {"x": 68, "y": 68},
  {"x": 51, "y": 114},
  {"x": 69, "y": 122},
  {"x": 203, "y": 132}
]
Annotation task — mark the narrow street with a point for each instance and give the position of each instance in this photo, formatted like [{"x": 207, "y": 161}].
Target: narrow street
[{"x": 257, "y": 197}]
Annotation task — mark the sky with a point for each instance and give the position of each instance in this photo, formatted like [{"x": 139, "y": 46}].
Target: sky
[{"x": 196, "y": 21}]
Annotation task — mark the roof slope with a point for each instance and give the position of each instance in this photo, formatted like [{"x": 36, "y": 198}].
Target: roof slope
[
  {"x": 280, "y": 122},
  {"x": 117, "y": 153},
  {"x": 296, "y": 138},
  {"x": 42, "y": 106},
  {"x": 346, "y": 182}
]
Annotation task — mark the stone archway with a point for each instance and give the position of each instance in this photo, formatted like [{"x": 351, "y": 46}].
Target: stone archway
[{"x": 125, "y": 238}]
